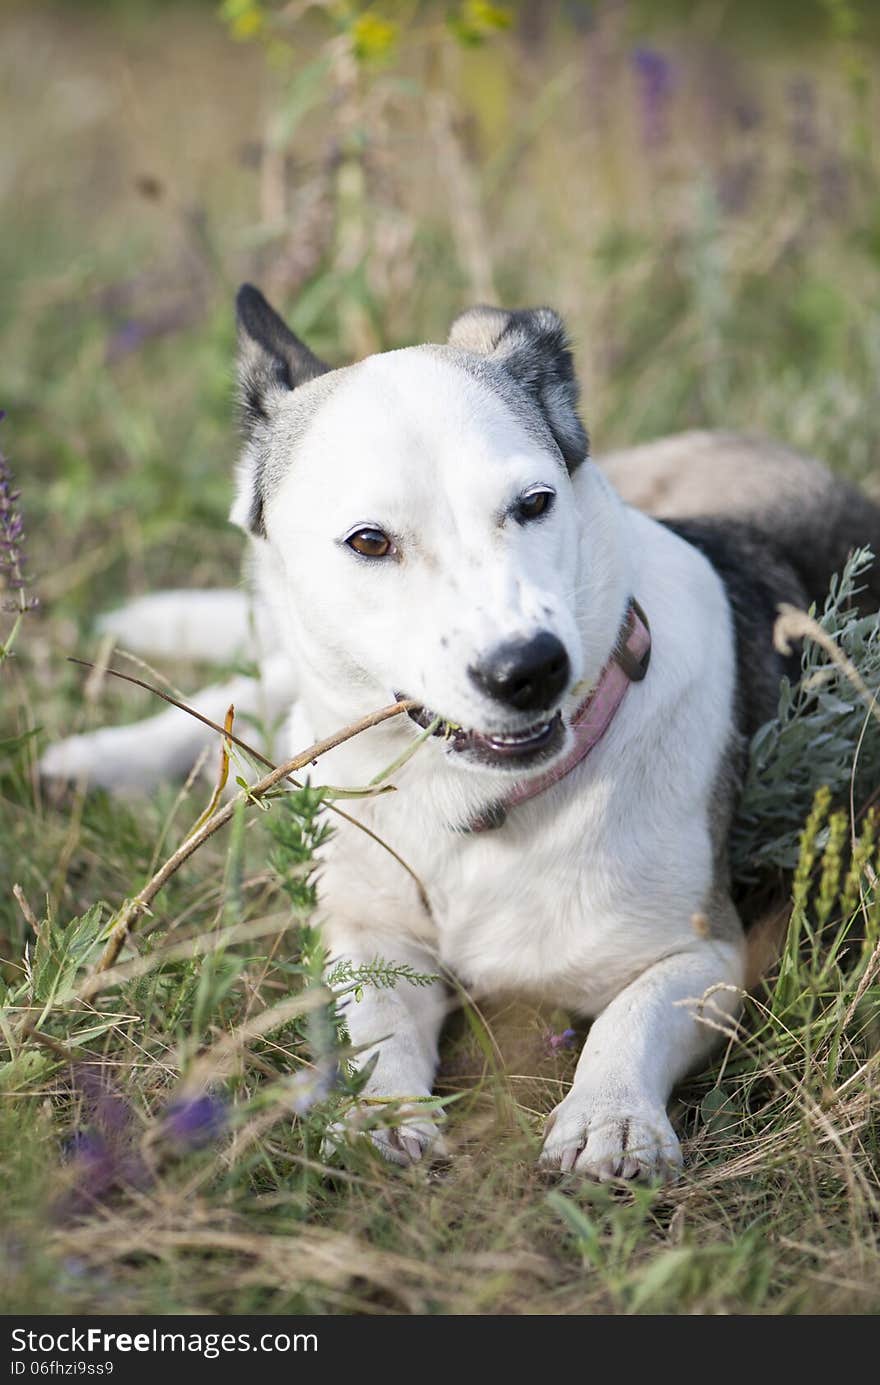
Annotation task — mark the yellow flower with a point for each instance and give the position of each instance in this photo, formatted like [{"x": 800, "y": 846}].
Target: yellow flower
[
  {"x": 477, "y": 19},
  {"x": 244, "y": 17},
  {"x": 479, "y": 14},
  {"x": 372, "y": 36}
]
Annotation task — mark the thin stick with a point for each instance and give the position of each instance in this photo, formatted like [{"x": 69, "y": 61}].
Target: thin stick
[
  {"x": 270, "y": 764},
  {"x": 140, "y": 904}
]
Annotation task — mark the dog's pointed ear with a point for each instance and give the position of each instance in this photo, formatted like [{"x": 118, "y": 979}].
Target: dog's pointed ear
[
  {"x": 271, "y": 360},
  {"x": 532, "y": 345}
]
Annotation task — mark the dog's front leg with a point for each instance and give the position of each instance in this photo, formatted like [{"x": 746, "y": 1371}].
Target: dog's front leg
[
  {"x": 396, "y": 1029},
  {"x": 613, "y": 1123}
]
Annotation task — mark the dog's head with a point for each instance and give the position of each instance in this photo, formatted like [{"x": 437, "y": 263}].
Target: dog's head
[{"x": 419, "y": 506}]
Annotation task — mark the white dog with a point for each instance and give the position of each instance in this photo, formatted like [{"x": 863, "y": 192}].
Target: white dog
[{"x": 425, "y": 525}]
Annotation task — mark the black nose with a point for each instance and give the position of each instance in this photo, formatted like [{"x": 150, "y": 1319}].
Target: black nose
[{"x": 526, "y": 674}]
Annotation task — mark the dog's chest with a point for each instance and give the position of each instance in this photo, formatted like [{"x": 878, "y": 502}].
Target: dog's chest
[
  {"x": 557, "y": 916},
  {"x": 553, "y": 905}
]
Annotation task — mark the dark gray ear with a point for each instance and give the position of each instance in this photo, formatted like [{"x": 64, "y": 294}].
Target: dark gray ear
[
  {"x": 271, "y": 359},
  {"x": 271, "y": 362},
  {"x": 532, "y": 345}
]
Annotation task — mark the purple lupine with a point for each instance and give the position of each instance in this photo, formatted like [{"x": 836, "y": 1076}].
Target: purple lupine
[
  {"x": 102, "y": 1155},
  {"x": 91, "y": 1159},
  {"x": 12, "y": 541},
  {"x": 655, "y": 78},
  {"x": 133, "y": 333},
  {"x": 195, "y": 1121},
  {"x": 566, "y": 1039},
  {"x": 109, "y": 1109}
]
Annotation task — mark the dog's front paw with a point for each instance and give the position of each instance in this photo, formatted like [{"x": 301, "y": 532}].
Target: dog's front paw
[
  {"x": 604, "y": 1140},
  {"x": 409, "y": 1141}
]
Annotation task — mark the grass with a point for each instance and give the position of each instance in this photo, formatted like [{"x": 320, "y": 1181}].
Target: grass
[{"x": 705, "y": 209}]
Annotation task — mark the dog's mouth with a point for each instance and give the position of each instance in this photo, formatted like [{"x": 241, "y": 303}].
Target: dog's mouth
[{"x": 498, "y": 749}]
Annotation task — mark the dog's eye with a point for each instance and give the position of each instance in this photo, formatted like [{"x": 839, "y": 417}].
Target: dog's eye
[
  {"x": 370, "y": 543},
  {"x": 534, "y": 503}
]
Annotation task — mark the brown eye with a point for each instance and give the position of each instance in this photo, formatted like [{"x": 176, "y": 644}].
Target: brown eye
[
  {"x": 370, "y": 543},
  {"x": 533, "y": 504}
]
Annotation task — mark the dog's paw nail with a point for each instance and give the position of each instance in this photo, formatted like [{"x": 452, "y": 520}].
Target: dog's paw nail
[
  {"x": 603, "y": 1145},
  {"x": 405, "y": 1145},
  {"x": 568, "y": 1158},
  {"x": 412, "y": 1146}
]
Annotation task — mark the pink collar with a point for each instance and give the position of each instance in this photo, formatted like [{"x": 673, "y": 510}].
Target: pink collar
[{"x": 628, "y": 664}]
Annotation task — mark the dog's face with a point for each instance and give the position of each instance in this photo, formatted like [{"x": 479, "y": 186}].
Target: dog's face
[{"x": 419, "y": 504}]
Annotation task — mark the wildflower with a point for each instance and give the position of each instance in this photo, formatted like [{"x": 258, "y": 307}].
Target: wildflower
[
  {"x": 655, "y": 79},
  {"x": 92, "y": 1161},
  {"x": 564, "y": 1040},
  {"x": 477, "y": 20},
  {"x": 12, "y": 542},
  {"x": 373, "y": 37},
  {"x": 101, "y": 1157},
  {"x": 196, "y": 1120},
  {"x": 245, "y": 18}
]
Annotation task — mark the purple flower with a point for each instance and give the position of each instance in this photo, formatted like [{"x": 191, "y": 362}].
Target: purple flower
[
  {"x": 195, "y": 1121},
  {"x": 655, "y": 79},
  {"x": 132, "y": 334},
  {"x": 101, "y": 1156},
  {"x": 12, "y": 540},
  {"x": 110, "y": 1111},
  {"x": 566, "y": 1039},
  {"x": 94, "y": 1165}
]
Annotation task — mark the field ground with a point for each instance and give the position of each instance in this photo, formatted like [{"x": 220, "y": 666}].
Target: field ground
[{"x": 699, "y": 194}]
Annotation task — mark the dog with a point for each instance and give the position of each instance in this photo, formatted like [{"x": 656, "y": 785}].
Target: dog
[{"x": 585, "y": 652}]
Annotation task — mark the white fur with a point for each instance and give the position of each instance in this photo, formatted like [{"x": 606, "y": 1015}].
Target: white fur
[
  {"x": 587, "y": 896},
  {"x": 138, "y": 757},
  {"x": 213, "y": 625}
]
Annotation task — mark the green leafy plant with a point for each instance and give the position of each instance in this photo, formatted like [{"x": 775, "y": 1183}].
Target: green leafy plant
[{"x": 823, "y": 735}]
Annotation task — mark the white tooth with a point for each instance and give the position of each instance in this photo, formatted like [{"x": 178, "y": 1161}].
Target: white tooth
[{"x": 517, "y": 737}]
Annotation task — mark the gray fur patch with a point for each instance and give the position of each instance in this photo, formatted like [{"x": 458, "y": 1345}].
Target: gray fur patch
[
  {"x": 274, "y": 439},
  {"x": 523, "y": 358},
  {"x": 531, "y": 345},
  {"x": 499, "y": 382},
  {"x": 271, "y": 363}
]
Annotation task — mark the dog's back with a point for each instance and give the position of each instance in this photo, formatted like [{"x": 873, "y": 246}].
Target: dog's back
[
  {"x": 802, "y": 513},
  {"x": 775, "y": 525}
]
